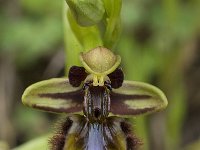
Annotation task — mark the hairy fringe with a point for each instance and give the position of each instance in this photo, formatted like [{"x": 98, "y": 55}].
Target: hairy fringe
[
  {"x": 57, "y": 142},
  {"x": 132, "y": 142}
]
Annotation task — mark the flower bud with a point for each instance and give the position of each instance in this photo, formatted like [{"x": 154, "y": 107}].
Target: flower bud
[{"x": 87, "y": 12}]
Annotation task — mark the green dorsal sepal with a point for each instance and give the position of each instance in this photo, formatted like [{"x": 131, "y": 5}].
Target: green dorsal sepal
[{"x": 99, "y": 62}]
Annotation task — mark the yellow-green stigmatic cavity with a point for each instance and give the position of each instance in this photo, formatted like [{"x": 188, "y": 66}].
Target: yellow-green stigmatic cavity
[{"x": 100, "y": 62}]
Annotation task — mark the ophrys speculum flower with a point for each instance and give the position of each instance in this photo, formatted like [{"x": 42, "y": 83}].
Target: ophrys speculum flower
[{"x": 97, "y": 90}]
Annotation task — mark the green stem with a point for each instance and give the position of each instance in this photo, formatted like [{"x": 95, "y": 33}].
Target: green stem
[
  {"x": 72, "y": 45},
  {"x": 88, "y": 37}
]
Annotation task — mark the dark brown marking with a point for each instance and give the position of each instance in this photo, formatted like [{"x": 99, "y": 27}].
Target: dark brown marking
[
  {"x": 75, "y": 95},
  {"x": 76, "y": 75},
  {"x": 116, "y": 78},
  {"x": 119, "y": 107},
  {"x": 75, "y": 108},
  {"x": 117, "y": 96},
  {"x": 123, "y": 109}
]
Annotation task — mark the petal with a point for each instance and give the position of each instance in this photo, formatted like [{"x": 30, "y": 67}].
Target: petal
[
  {"x": 136, "y": 98},
  {"x": 54, "y": 95}
]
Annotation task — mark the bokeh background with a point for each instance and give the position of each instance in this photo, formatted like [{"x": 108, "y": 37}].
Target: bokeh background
[{"x": 159, "y": 44}]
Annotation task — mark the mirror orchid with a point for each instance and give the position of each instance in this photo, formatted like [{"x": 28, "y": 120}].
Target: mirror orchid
[{"x": 97, "y": 100}]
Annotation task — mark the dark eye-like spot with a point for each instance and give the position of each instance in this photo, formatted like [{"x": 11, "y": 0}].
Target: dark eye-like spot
[
  {"x": 116, "y": 78},
  {"x": 76, "y": 75}
]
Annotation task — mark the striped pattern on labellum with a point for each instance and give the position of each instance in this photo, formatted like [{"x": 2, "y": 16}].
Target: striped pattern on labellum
[
  {"x": 136, "y": 98},
  {"x": 54, "y": 95},
  {"x": 77, "y": 133}
]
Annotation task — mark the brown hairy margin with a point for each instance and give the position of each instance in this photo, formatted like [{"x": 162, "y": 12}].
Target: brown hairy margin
[
  {"x": 57, "y": 142},
  {"x": 132, "y": 142}
]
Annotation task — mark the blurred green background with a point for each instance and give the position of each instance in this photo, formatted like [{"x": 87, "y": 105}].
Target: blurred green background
[{"x": 159, "y": 44}]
